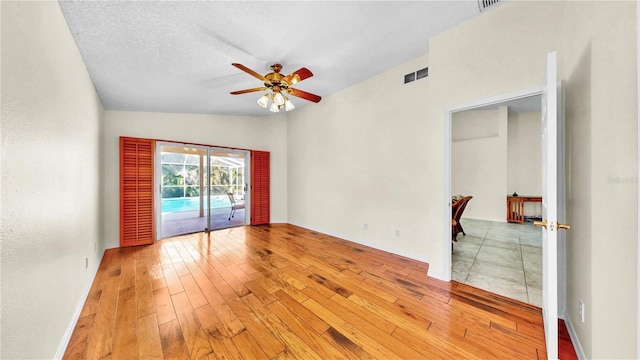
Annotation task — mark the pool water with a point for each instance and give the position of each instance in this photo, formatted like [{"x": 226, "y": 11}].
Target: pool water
[{"x": 193, "y": 203}]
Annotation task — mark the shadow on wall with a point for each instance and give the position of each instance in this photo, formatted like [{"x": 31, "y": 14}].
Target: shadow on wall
[{"x": 577, "y": 167}]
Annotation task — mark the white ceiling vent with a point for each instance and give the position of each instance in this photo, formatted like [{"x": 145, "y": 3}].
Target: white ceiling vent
[{"x": 486, "y": 4}]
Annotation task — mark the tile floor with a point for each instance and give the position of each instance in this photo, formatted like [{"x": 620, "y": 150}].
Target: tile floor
[{"x": 500, "y": 257}]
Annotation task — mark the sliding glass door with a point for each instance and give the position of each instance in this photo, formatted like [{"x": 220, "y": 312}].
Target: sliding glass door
[
  {"x": 200, "y": 188},
  {"x": 226, "y": 188}
]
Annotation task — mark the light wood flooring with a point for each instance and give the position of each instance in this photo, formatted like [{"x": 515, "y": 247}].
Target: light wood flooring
[{"x": 284, "y": 292}]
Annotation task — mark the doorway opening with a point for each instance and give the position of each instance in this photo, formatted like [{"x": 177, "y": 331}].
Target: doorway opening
[
  {"x": 200, "y": 188},
  {"x": 494, "y": 255}
]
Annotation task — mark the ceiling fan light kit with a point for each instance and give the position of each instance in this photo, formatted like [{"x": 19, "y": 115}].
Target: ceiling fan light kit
[
  {"x": 264, "y": 101},
  {"x": 288, "y": 105},
  {"x": 278, "y": 83}
]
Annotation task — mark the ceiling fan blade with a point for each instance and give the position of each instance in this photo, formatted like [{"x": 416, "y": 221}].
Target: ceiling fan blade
[
  {"x": 298, "y": 75},
  {"x": 239, "y": 92},
  {"x": 305, "y": 95},
  {"x": 249, "y": 71}
]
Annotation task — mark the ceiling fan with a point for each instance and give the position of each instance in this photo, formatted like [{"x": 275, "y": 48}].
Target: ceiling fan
[{"x": 278, "y": 84}]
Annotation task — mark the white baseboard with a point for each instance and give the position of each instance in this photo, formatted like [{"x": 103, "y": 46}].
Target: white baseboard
[
  {"x": 76, "y": 315},
  {"x": 574, "y": 337}
]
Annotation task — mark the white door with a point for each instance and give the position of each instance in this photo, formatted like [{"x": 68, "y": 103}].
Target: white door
[{"x": 550, "y": 215}]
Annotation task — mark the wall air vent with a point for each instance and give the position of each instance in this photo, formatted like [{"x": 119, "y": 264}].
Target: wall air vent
[
  {"x": 416, "y": 75},
  {"x": 422, "y": 73},
  {"x": 409, "y": 77},
  {"x": 486, "y": 4}
]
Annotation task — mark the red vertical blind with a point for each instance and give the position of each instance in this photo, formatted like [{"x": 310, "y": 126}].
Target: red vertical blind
[
  {"x": 260, "y": 204},
  {"x": 136, "y": 191}
]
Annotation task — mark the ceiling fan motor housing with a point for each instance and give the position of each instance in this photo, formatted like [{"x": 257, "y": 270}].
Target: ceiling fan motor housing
[{"x": 275, "y": 79}]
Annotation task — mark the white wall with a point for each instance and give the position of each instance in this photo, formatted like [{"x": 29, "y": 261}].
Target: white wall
[
  {"x": 479, "y": 161},
  {"x": 601, "y": 124},
  {"x": 359, "y": 156},
  {"x": 492, "y": 157},
  {"x": 524, "y": 168},
  {"x": 267, "y": 133},
  {"x": 596, "y": 44},
  {"x": 51, "y": 181}
]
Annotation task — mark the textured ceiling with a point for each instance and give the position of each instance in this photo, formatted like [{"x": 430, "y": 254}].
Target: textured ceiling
[{"x": 175, "y": 56}]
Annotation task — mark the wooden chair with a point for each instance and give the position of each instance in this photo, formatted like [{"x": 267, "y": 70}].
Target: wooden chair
[
  {"x": 234, "y": 205},
  {"x": 457, "y": 208}
]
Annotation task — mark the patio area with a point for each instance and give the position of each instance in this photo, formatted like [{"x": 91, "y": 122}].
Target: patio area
[{"x": 186, "y": 222}]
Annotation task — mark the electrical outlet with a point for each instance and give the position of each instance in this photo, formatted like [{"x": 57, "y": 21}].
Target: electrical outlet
[
  {"x": 398, "y": 233},
  {"x": 86, "y": 263},
  {"x": 581, "y": 310},
  {"x": 365, "y": 226}
]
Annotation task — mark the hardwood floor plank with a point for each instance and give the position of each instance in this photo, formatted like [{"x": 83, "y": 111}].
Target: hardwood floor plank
[
  {"x": 223, "y": 348},
  {"x": 283, "y": 275},
  {"x": 148, "y": 335},
  {"x": 429, "y": 348},
  {"x": 330, "y": 285},
  {"x": 233, "y": 282},
  {"x": 101, "y": 338},
  {"x": 506, "y": 308},
  {"x": 222, "y": 311},
  {"x": 280, "y": 292},
  {"x": 206, "y": 316},
  {"x": 170, "y": 250},
  {"x": 163, "y": 305},
  {"x": 143, "y": 288},
  {"x": 93, "y": 300},
  {"x": 191, "y": 288},
  {"x": 395, "y": 283},
  {"x": 302, "y": 275},
  {"x": 443, "y": 336},
  {"x": 345, "y": 345},
  {"x": 259, "y": 292},
  {"x": 490, "y": 313},
  {"x": 159, "y": 283},
  {"x": 354, "y": 334},
  {"x": 369, "y": 324},
  {"x": 302, "y": 312},
  {"x": 171, "y": 278},
  {"x": 356, "y": 284},
  {"x": 193, "y": 334},
  {"x": 292, "y": 342},
  {"x": 390, "y": 313},
  {"x": 269, "y": 343},
  {"x": 77, "y": 347},
  {"x": 125, "y": 335},
  {"x": 451, "y": 319},
  {"x": 384, "y": 286},
  {"x": 248, "y": 347},
  {"x": 128, "y": 268},
  {"x": 505, "y": 348},
  {"x": 371, "y": 314},
  {"x": 307, "y": 334},
  {"x": 173, "y": 345}
]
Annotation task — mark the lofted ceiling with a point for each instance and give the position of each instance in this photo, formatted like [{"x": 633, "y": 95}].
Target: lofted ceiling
[{"x": 175, "y": 56}]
